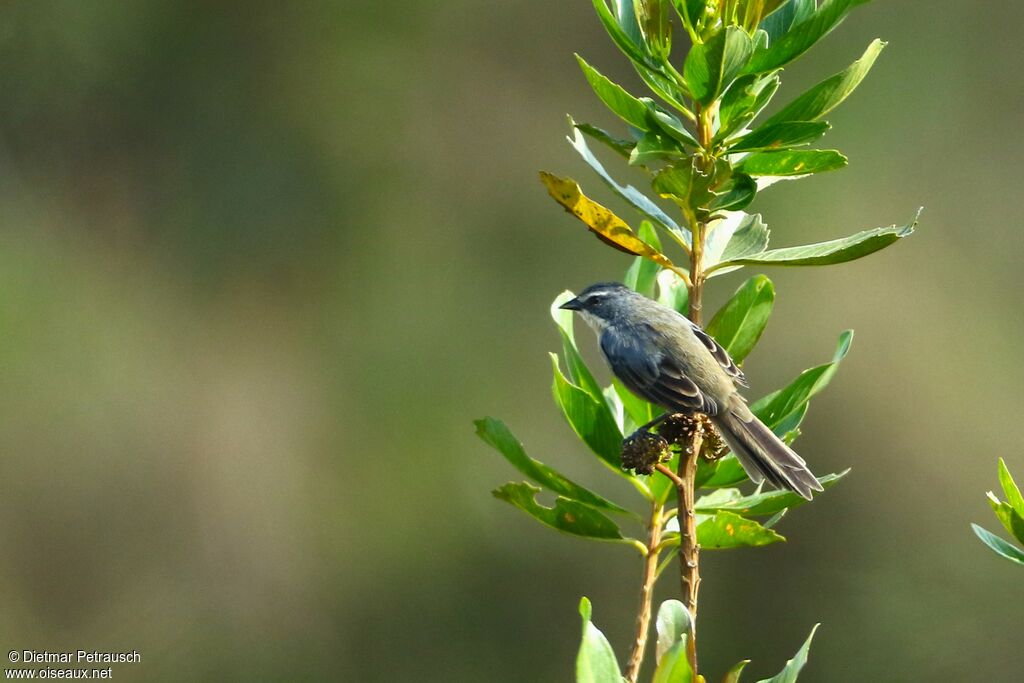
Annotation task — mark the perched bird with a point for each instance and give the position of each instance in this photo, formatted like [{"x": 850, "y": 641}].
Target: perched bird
[{"x": 666, "y": 359}]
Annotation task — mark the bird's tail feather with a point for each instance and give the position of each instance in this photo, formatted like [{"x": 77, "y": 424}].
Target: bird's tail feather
[{"x": 764, "y": 455}]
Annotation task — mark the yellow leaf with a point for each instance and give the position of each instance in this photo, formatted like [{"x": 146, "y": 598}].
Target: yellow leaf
[{"x": 608, "y": 227}]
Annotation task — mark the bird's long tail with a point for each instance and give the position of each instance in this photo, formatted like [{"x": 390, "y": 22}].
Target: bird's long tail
[{"x": 762, "y": 454}]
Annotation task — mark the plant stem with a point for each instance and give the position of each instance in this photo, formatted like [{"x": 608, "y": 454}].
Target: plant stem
[
  {"x": 689, "y": 551},
  {"x": 650, "y": 575}
]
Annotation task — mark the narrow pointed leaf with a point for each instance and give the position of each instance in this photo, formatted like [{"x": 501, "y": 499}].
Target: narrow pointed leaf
[
  {"x": 766, "y": 503},
  {"x": 595, "y": 662},
  {"x": 739, "y": 324},
  {"x": 729, "y": 530},
  {"x": 654, "y": 147},
  {"x": 625, "y": 106},
  {"x": 662, "y": 86},
  {"x": 726, "y": 471},
  {"x": 618, "y": 35},
  {"x": 632, "y": 195},
  {"x": 830, "y": 93},
  {"x": 1001, "y": 547},
  {"x": 567, "y": 515},
  {"x": 642, "y": 275},
  {"x": 776, "y": 406},
  {"x": 639, "y": 410},
  {"x": 793, "y": 667},
  {"x": 792, "y": 162},
  {"x": 790, "y": 14},
  {"x": 498, "y": 436},
  {"x": 1011, "y": 521},
  {"x": 673, "y": 127},
  {"x": 802, "y": 36},
  {"x": 781, "y": 135},
  {"x": 608, "y": 227},
  {"x": 1013, "y": 496},
  {"x": 619, "y": 145},
  {"x": 712, "y": 65},
  {"x": 589, "y": 418},
  {"x": 673, "y": 292},
  {"x": 690, "y": 11},
  {"x": 733, "y": 675},
  {"x": 744, "y": 100},
  {"x": 734, "y": 194},
  {"x": 828, "y": 253}
]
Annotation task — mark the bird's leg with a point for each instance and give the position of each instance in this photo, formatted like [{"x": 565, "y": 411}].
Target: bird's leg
[{"x": 653, "y": 423}]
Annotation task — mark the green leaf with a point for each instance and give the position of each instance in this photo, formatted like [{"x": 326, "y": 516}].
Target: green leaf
[
  {"x": 498, "y": 436},
  {"x": 672, "y": 292},
  {"x": 672, "y": 126},
  {"x": 734, "y": 236},
  {"x": 734, "y": 194},
  {"x": 779, "y": 135},
  {"x": 766, "y": 503},
  {"x": 729, "y": 530},
  {"x": 691, "y": 12},
  {"x": 1011, "y": 521},
  {"x": 685, "y": 184},
  {"x": 632, "y": 195},
  {"x": 653, "y": 147},
  {"x": 801, "y": 36},
  {"x": 639, "y": 410},
  {"x": 568, "y": 516},
  {"x": 673, "y": 623},
  {"x": 674, "y": 667},
  {"x": 830, "y": 252},
  {"x": 733, "y": 675},
  {"x": 774, "y": 408},
  {"x": 726, "y": 471},
  {"x": 1001, "y": 547},
  {"x": 642, "y": 276},
  {"x": 618, "y": 35},
  {"x": 711, "y": 66},
  {"x": 579, "y": 373},
  {"x": 829, "y": 94},
  {"x": 662, "y": 86},
  {"x": 795, "y": 665},
  {"x": 626, "y": 14},
  {"x": 739, "y": 324},
  {"x": 589, "y": 418},
  {"x": 595, "y": 662},
  {"x": 791, "y": 13},
  {"x": 625, "y": 106},
  {"x": 1013, "y": 496},
  {"x": 743, "y": 101},
  {"x": 620, "y": 146},
  {"x": 792, "y": 162}
]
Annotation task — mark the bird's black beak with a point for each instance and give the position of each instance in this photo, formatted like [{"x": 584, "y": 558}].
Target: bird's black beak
[{"x": 572, "y": 305}]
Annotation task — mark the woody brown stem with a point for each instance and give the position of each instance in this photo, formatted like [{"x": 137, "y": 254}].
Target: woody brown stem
[{"x": 650, "y": 575}]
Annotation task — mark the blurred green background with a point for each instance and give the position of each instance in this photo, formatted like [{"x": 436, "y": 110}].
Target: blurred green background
[{"x": 261, "y": 264}]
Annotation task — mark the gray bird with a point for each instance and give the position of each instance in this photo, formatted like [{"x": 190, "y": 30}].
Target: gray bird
[{"x": 667, "y": 360}]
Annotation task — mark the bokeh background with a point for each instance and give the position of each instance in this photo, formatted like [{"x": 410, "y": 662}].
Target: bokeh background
[{"x": 261, "y": 264}]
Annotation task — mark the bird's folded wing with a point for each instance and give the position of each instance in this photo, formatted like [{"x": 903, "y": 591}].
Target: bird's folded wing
[
  {"x": 653, "y": 376},
  {"x": 720, "y": 354}
]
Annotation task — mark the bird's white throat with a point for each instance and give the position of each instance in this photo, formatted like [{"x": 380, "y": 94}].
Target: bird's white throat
[{"x": 596, "y": 324}]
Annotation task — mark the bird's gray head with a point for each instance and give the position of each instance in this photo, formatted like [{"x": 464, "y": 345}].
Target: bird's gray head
[{"x": 603, "y": 303}]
